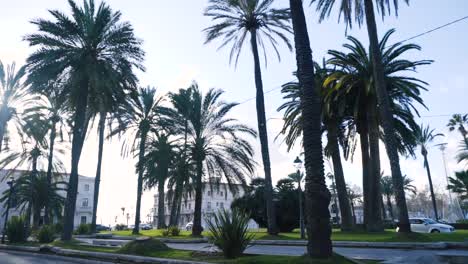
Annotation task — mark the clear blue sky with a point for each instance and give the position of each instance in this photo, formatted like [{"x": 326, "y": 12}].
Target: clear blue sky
[{"x": 176, "y": 55}]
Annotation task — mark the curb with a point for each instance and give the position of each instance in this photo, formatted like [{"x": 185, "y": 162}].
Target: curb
[{"x": 108, "y": 257}]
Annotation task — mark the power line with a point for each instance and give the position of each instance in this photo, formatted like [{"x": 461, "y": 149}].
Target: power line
[
  {"x": 435, "y": 29},
  {"x": 408, "y": 39}
]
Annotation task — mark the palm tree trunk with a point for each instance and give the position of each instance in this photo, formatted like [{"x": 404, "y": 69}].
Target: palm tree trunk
[
  {"x": 386, "y": 117},
  {"x": 97, "y": 179},
  {"x": 175, "y": 205},
  {"x": 53, "y": 134},
  {"x": 2, "y": 132},
  {"x": 161, "y": 214},
  {"x": 354, "y": 213},
  {"x": 317, "y": 195},
  {"x": 79, "y": 130},
  {"x": 382, "y": 206},
  {"x": 345, "y": 210},
  {"x": 141, "y": 157},
  {"x": 365, "y": 161},
  {"x": 390, "y": 207},
  {"x": 431, "y": 188},
  {"x": 374, "y": 221},
  {"x": 197, "y": 228},
  {"x": 263, "y": 135}
]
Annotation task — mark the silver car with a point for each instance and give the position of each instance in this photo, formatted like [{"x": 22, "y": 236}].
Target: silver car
[{"x": 427, "y": 225}]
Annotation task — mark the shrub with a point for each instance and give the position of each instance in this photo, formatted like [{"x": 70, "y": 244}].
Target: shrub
[
  {"x": 174, "y": 230},
  {"x": 143, "y": 247},
  {"x": 165, "y": 233},
  {"x": 229, "y": 232},
  {"x": 15, "y": 230},
  {"x": 120, "y": 227},
  {"x": 58, "y": 227},
  {"x": 83, "y": 229},
  {"x": 46, "y": 234}
]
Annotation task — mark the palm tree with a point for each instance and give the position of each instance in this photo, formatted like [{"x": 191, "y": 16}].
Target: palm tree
[
  {"x": 51, "y": 107},
  {"x": 459, "y": 184},
  {"x": 386, "y": 186},
  {"x": 354, "y": 80},
  {"x": 292, "y": 129},
  {"x": 234, "y": 20},
  {"x": 138, "y": 117},
  {"x": 425, "y": 136},
  {"x": 297, "y": 178},
  {"x": 158, "y": 162},
  {"x": 40, "y": 192},
  {"x": 459, "y": 122},
  {"x": 317, "y": 195},
  {"x": 216, "y": 142},
  {"x": 12, "y": 94},
  {"x": 356, "y": 10},
  {"x": 92, "y": 52}
]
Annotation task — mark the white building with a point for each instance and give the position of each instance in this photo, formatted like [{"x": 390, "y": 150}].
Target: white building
[
  {"x": 84, "y": 199},
  {"x": 214, "y": 198}
]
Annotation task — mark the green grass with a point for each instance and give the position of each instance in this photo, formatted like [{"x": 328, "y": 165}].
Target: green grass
[{"x": 386, "y": 236}]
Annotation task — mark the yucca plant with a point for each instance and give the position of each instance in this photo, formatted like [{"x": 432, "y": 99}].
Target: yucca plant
[{"x": 229, "y": 232}]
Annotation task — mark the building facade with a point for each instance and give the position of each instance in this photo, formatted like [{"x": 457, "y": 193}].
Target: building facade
[
  {"x": 214, "y": 198},
  {"x": 84, "y": 199}
]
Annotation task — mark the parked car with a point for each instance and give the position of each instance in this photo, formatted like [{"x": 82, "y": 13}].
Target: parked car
[
  {"x": 427, "y": 225},
  {"x": 100, "y": 228},
  {"x": 146, "y": 227},
  {"x": 189, "y": 226}
]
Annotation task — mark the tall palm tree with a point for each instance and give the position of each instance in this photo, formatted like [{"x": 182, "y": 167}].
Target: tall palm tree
[
  {"x": 317, "y": 195},
  {"x": 357, "y": 10},
  {"x": 292, "y": 128},
  {"x": 234, "y": 21},
  {"x": 158, "y": 162},
  {"x": 90, "y": 51},
  {"x": 137, "y": 118},
  {"x": 354, "y": 80},
  {"x": 217, "y": 144},
  {"x": 12, "y": 94},
  {"x": 424, "y": 136},
  {"x": 354, "y": 197},
  {"x": 459, "y": 184}
]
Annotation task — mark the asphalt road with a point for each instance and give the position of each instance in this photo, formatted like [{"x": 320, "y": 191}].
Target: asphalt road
[
  {"x": 355, "y": 253},
  {"x": 10, "y": 257}
]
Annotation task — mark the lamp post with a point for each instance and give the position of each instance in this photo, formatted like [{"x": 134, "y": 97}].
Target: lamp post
[
  {"x": 10, "y": 184},
  {"x": 298, "y": 166}
]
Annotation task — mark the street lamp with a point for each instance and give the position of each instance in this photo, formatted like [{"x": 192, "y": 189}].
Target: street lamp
[
  {"x": 10, "y": 184},
  {"x": 298, "y": 166}
]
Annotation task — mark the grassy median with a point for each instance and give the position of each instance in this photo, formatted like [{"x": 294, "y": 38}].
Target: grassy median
[{"x": 386, "y": 236}]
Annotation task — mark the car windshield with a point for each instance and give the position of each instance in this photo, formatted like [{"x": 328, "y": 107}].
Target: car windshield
[{"x": 430, "y": 221}]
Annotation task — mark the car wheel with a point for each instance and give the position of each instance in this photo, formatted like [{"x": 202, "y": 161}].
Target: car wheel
[{"x": 434, "y": 231}]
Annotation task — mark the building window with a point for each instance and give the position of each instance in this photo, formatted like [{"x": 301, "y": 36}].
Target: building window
[
  {"x": 84, "y": 203},
  {"x": 208, "y": 205},
  {"x": 86, "y": 187},
  {"x": 189, "y": 206},
  {"x": 217, "y": 204},
  {"x": 221, "y": 193},
  {"x": 221, "y": 205},
  {"x": 209, "y": 193},
  {"x": 83, "y": 219}
]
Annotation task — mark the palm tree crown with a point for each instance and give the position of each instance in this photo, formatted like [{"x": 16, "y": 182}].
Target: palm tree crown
[
  {"x": 354, "y": 9},
  {"x": 237, "y": 18},
  {"x": 459, "y": 184}
]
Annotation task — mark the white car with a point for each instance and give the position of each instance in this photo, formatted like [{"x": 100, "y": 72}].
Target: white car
[
  {"x": 427, "y": 225},
  {"x": 189, "y": 226}
]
